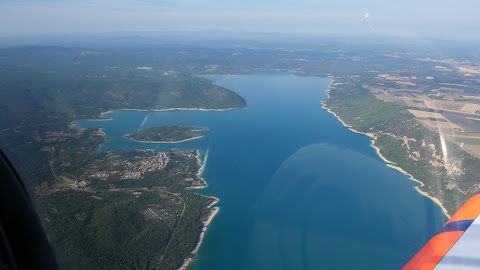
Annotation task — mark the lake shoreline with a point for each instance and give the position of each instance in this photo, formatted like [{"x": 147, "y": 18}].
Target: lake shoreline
[
  {"x": 388, "y": 162},
  {"x": 185, "y": 140},
  {"x": 171, "y": 109},
  {"x": 104, "y": 118},
  {"x": 213, "y": 212}
]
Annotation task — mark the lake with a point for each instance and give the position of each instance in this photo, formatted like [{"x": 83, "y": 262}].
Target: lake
[{"x": 297, "y": 189}]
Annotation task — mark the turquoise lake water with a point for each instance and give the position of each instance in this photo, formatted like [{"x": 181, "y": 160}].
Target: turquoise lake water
[{"x": 297, "y": 189}]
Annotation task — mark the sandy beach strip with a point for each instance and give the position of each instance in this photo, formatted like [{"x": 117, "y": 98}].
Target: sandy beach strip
[
  {"x": 189, "y": 139},
  {"x": 213, "y": 212},
  {"x": 176, "y": 109},
  {"x": 389, "y": 163},
  {"x": 185, "y": 264},
  {"x": 205, "y": 226},
  {"x": 104, "y": 118},
  {"x": 200, "y": 171},
  {"x": 202, "y": 165}
]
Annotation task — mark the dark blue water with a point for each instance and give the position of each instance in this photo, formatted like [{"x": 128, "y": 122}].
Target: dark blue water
[{"x": 298, "y": 190}]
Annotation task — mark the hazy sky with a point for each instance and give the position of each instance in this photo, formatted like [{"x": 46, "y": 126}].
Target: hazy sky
[{"x": 424, "y": 18}]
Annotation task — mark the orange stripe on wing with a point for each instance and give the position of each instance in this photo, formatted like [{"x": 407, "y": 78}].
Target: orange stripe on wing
[
  {"x": 438, "y": 246},
  {"x": 431, "y": 254},
  {"x": 470, "y": 210}
]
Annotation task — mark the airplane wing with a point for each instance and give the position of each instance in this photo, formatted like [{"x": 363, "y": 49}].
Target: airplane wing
[{"x": 456, "y": 246}]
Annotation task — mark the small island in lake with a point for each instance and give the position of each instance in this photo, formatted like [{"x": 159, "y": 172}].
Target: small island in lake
[{"x": 166, "y": 134}]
